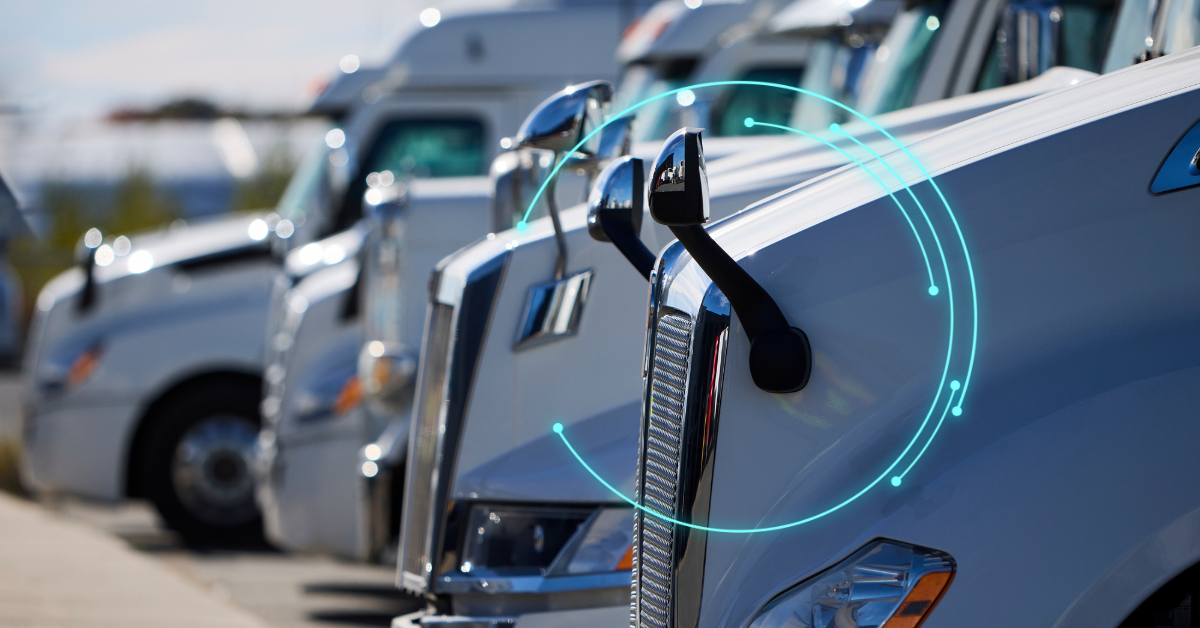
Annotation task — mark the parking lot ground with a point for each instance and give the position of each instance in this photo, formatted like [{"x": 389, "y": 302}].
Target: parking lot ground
[
  {"x": 55, "y": 571},
  {"x": 282, "y": 590},
  {"x": 66, "y": 562}
]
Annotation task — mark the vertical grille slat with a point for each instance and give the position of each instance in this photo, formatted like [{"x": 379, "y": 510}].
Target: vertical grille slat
[{"x": 658, "y": 473}]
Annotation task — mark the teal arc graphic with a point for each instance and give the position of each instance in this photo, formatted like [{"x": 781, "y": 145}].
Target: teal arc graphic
[{"x": 955, "y": 389}]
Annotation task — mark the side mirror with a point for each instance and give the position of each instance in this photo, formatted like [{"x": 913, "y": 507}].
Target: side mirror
[
  {"x": 566, "y": 117},
  {"x": 679, "y": 183},
  {"x": 387, "y": 371},
  {"x": 515, "y": 175},
  {"x": 780, "y": 356},
  {"x": 385, "y": 206},
  {"x": 615, "y": 211}
]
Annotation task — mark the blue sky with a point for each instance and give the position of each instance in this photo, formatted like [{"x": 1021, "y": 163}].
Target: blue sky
[{"x": 80, "y": 58}]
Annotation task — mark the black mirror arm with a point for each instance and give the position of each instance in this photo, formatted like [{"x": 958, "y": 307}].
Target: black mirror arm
[
  {"x": 634, "y": 250},
  {"x": 780, "y": 355}
]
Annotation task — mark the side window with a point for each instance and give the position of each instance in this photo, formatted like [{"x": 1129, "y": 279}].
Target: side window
[
  {"x": 761, "y": 103},
  {"x": 429, "y": 148},
  {"x": 1034, "y": 36}
]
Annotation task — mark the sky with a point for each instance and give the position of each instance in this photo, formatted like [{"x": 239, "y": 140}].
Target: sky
[{"x": 82, "y": 58}]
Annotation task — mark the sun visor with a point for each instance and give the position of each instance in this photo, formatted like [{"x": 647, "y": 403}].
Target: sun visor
[
  {"x": 804, "y": 16},
  {"x": 346, "y": 92}
]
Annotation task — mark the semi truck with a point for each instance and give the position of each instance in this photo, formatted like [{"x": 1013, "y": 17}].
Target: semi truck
[
  {"x": 929, "y": 460},
  {"x": 333, "y": 438},
  {"x": 542, "y": 350},
  {"x": 144, "y": 373}
]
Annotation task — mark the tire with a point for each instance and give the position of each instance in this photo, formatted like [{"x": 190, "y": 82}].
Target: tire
[{"x": 197, "y": 464}]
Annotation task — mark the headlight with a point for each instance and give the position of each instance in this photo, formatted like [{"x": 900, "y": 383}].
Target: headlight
[
  {"x": 884, "y": 585},
  {"x": 523, "y": 540},
  {"x": 60, "y": 376},
  {"x": 332, "y": 391}
]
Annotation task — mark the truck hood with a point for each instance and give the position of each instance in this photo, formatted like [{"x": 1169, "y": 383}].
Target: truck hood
[
  {"x": 195, "y": 243},
  {"x": 526, "y": 391}
]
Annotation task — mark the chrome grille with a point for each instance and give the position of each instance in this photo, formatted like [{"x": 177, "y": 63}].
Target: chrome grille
[
  {"x": 423, "y": 455},
  {"x": 658, "y": 474}
]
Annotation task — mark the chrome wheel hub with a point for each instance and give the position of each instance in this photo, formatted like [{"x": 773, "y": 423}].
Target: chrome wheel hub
[{"x": 212, "y": 470}]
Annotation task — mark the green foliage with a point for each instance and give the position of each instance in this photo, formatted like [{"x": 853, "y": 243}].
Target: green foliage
[
  {"x": 263, "y": 190},
  {"x": 10, "y": 462},
  {"x": 139, "y": 206}
]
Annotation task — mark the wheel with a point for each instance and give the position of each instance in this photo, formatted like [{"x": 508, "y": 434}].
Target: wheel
[{"x": 198, "y": 464}]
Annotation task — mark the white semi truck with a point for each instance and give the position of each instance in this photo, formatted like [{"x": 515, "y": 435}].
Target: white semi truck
[
  {"x": 320, "y": 489},
  {"x": 327, "y": 480},
  {"x": 540, "y": 351},
  {"x": 1017, "y": 450},
  {"x": 144, "y": 371}
]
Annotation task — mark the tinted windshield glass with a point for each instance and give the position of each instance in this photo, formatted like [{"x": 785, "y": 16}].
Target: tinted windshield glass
[
  {"x": 895, "y": 73},
  {"x": 307, "y": 193},
  {"x": 429, "y": 148},
  {"x": 1033, "y": 37},
  {"x": 655, "y": 120},
  {"x": 1181, "y": 26},
  {"x": 764, "y": 104}
]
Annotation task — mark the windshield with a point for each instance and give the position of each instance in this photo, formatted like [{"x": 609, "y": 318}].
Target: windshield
[
  {"x": 895, "y": 71},
  {"x": 416, "y": 148},
  {"x": 1033, "y": 37},
  {"x": 307, "y": 192},
  {"x": 654, "y": 120}
]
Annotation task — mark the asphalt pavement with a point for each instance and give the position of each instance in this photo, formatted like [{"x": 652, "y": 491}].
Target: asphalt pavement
[{"x": 66, "y": 562}]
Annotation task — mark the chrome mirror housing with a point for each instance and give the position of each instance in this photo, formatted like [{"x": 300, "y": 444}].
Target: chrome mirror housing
[
  {"x": 679, "y": 182},
  {"x": 615, "y": 208},
  {"x": 515, "y": 175},
  {"x": 385, "y": 205},
  {"x": 566, "y": 117}
]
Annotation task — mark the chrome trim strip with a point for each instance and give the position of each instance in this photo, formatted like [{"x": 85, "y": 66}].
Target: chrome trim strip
[
  {"x": 436, "y": 430},
  {"x": 680, "y": 414}
]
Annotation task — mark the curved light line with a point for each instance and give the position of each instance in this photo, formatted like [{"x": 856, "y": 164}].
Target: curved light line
[
  {"x": 945, "y": 372},
  {"x": 916, "y": 234},
  {"x": 932, "y": 435}
]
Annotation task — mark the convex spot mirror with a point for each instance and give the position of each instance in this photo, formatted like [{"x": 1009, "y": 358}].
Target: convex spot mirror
[
  {"x": 567, "y": 117},
  {"x": 679, "y": 182}
]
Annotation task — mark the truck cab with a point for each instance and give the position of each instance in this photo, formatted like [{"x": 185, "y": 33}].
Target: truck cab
[
  {"x": 936, "y": 442},
  {"x": 335, "y": 435}
]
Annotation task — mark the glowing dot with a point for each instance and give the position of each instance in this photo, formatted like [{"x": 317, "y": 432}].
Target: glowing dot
[
  {"x": 835, "y": 127},
  {"x": 349, "y": 64},
  {"x": 506, "y": 143},
  {"x": 685, "y": 98},
  {"x": 954, "y": 385},
  {"x": 957, "y": 411},
  {"x": 558, "y": 428},
  {"x": 430, "y": 17},
  {"x": 370, "y": 469},
  {"x": 257, "y": 230},
  {"x": 104, "y": 255},
  {"x": 932, "y": 23},
  {"x": 749, "y": 121},
  {"x": 375, "y": 348},
  {"x": 895, "y": 480},
  {"x": 372, "y": 452},
  {"x": 521, "y": 226},
  {"x": 933, "y": 290},
  {"x": 335, "y": 138},
  {"x": 140, "y": 262},
  {"x": 692, "y": 4},
  {"x": 92, "y": 238}
]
